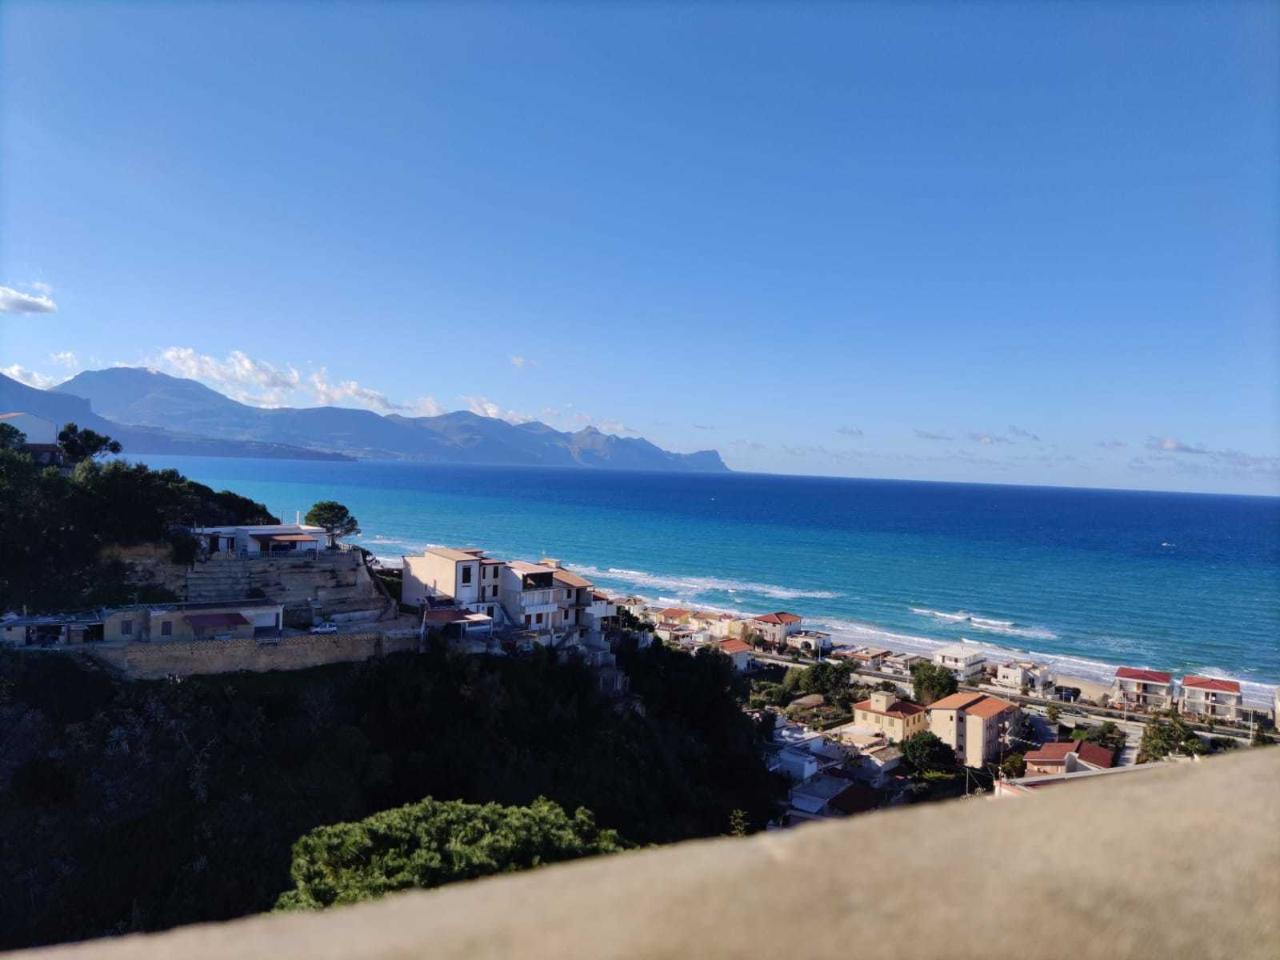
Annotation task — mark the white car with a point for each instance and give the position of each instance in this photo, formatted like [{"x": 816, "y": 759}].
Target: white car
[{"x": 325, "y": 628}]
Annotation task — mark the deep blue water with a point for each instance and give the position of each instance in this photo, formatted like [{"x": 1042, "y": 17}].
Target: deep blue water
[{"x": 1185, "y": 582}]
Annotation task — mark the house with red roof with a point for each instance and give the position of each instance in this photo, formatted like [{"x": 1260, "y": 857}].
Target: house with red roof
[
  {"x": 1211, "y": 697},
  {"x": 897, "y": 719},
  {"x": 1140, "y": 689},
  {"x": 974, "y": 725},
  {"x": 739, "y": 651},
  {"x": 774, "y": 628},
  {"x": 1070, "y": 756}
]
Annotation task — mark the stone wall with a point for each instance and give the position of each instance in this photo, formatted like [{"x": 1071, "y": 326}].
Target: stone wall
[{"x": 149, "y": 661}]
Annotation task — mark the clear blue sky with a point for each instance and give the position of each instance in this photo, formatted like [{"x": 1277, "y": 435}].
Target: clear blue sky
[{"x": 1018, "y": 243}]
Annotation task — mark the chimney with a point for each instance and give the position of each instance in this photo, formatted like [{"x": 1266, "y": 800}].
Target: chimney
[{"x": 882, "y": 700}]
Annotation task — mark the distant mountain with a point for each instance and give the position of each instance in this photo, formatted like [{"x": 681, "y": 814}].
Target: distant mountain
[
  {"x": 144, "y": 398},
  {"x": 64, "y": 408}
]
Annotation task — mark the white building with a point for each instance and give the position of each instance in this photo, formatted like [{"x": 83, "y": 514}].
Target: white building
[
  {"x": 1211, "y": 697},
  {"x": 265, "y": 540},
  {"x": 962, "y": 660},
  {"x": 447, "y": 576},
  {"x": 1035, "y": 678},
  {"x": 739, "y": 651},
  {"x": 774, "y": 628},
  {"x": 1137, "y": 689}
]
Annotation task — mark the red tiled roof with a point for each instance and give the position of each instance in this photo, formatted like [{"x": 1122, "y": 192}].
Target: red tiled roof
[
  {"x": 735, "y": 646},
  {"x": 673, "y": 613},
  {"x": 780, "y": 617},
  {"x": 957, "y": 701},
  {"x": 1211, "y": 683},
  {"x": 1147, "y": 676},
  {"x": 899, "y": 708},
  {"x": 989, "y": 707},
  {"x": 1096, "y": 754},
  {"x": 1052, "y": 752},
  {"x": 1093, "y": 754}
]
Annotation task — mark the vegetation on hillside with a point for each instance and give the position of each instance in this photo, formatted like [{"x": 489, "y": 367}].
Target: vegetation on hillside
[
  {"x": 55, "y": 524},
  {"x": 434, "y": 842},
  {"x": 141, "y": 805}
]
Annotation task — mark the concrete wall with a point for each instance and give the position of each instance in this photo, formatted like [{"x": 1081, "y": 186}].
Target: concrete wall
[
  {"x": 963, "y": 879},
  {"x": 149, "y": 661}
]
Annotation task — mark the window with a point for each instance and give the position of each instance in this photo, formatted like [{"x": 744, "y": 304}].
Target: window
[
  {"x": 126, "y": 627},
  {"x": 166, "y": 629},
  {"x": 539, "y": 619},
  {"x": 466, "y": 574},
  {"x": 527, "y": 619}
]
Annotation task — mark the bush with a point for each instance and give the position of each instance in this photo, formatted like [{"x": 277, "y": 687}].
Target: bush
[{"x": 430, "y": 843}]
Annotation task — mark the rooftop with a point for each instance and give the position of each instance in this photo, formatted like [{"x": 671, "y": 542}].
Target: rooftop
[
  {"x": 1146, "y": 676},
  {"x": 959, "y": 651},
  {"x": 977, "y": 704},
  {"x": 735, "y": 646},
  {"x": 899, "y": 708},
  {"x": 780, "y": 617},
  {"x": 454, "y": 553},
  {"x": 1211, "y": 683},
  {"x": 572, "y": 579}
]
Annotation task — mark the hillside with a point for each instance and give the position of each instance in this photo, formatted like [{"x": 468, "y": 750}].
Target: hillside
[
  {"x": 147, "y": 399},
  {"x": 64, "y": 408}
]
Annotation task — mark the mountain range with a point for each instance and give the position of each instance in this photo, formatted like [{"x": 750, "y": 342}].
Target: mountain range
[{"x": 152, "y": 412}]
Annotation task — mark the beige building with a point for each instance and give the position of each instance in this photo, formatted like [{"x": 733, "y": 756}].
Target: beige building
[
  {"x": 152, "y": 623},
  {"x": 445, "y": 575},
  {"x": 897, "y": 719},
  {"x": 775, "y": 627},
  {"x": 1211, "y": 697},
  {"x": 973, "y": 725}
]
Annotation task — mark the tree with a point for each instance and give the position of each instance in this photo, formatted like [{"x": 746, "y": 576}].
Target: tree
[
  {"x": 737, "y": 823},
  {"x": 80, "y": 445},
  {"x": 335, "y": 518},
  {"x": 433, "y": 842},
  {"x": 931, "y": 682},
  {"x": 11, "y": 438},
  {"x": 1053, "y": 713},
  {"x": 1021, "y": 732},
  {"x": 925, "y": 752},
  {"x": 1167, "y": 733},
  {"x": 1014, "y": 765}
]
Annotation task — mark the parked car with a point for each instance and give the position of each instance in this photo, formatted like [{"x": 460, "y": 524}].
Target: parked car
[{"x": 326, "y": 627}]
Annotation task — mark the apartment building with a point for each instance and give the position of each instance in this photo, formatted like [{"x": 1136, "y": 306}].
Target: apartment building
[
  {"x": 1035, "y": 678},
  {"x": 1211, "y": 698},
  {"x": 1136, "y": 689},
  {"x": 445, "y": 576},
  {"x": 897, "y": 719},
  {"x": 774, "y": 628},
  {"x": 962, "y": 660},
  {"x": 973, "y": 725}
]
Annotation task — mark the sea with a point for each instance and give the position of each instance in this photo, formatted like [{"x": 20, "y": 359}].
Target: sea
[{"x": 1083, "y": 579}]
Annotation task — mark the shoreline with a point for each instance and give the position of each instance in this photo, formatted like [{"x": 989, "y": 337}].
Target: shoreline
[{"x": 1078, "y": 671}]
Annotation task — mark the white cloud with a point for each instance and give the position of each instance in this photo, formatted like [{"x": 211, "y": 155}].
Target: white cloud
[
  {"x": 988, "y": 439},
  {"x": 30, "y": 377},
  {"x": 521, "y": 362},
  {"x": 66, "y": 359},
  {"x": 484, "y": 407},
  {"x": 930, "y": 435},
  {"x": 849, "y": 431},
  {"x": 15, "y": 301},
  {"x": 238, "y": 375},
  {"x": 334, "y": 394},
  {"x": 1023, "y": 434},
  {"x": 1170, "y": 445}
]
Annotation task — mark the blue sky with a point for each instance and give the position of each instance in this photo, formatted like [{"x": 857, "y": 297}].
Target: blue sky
[{"x": 1014, "y": 243}]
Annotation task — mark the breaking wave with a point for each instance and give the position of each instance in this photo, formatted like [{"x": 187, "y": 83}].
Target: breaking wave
[
  {"x": 688, "y": 587},
  {"x": 1005, "y": 628}
]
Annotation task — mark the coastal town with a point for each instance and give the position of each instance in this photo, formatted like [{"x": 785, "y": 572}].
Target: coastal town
[{"x": 850, "y": 728}]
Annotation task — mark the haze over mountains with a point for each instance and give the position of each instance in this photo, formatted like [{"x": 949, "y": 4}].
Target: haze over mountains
[{"x": 152, "y": 412}]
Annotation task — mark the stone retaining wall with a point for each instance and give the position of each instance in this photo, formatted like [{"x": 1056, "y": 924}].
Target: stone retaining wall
[{"x": 143, "y": 661}]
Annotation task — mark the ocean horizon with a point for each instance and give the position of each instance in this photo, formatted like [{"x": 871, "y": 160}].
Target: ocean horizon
[{"x": 1086, "y": 579}]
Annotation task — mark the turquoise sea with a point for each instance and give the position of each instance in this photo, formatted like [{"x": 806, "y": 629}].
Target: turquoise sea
[{"x": 1085, "y": 578}]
